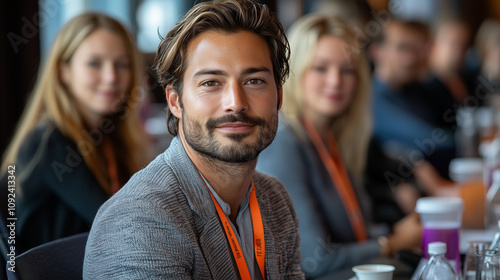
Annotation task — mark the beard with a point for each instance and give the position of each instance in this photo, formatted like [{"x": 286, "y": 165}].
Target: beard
[{"x": 202, "y": 139}]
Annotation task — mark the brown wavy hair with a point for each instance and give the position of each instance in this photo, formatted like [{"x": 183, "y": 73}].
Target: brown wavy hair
[
  {"x": 50, "y": 100},
  {"x": 226, "y": 16}
]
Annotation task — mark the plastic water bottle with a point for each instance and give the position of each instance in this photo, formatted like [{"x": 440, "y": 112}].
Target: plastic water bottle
[{"x": 438, "y": 267}]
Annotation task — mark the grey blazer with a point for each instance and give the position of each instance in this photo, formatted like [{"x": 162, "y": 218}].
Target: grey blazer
[{"x": 163, "y": 225}]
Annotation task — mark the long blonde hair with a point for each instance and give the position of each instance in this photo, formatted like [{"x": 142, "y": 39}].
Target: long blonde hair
[
  {"x": 352, "y": 129},
  {"x": 50, "y": 100}
]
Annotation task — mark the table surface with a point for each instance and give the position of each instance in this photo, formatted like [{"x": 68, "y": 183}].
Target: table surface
[{"x": 401, "y": 272}]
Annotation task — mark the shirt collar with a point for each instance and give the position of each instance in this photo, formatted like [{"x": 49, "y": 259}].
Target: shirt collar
[{"x": 223, "y": 205}]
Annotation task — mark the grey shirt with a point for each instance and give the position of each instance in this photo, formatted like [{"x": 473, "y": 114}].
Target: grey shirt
[{"x": 163, "y": 225}]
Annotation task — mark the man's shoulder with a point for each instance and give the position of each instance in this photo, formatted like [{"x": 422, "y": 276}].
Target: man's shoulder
[
  {"x": 276, "y": 205},
  {"x": 272, "y": 189},
  {"x": 151, "y": 188},
  {"x": 265, "y": 179}
]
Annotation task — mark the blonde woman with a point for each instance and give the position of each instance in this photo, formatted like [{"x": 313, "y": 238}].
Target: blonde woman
[
  {"x": 320, "y": 149},
  {"x": 79, "y": 139}
]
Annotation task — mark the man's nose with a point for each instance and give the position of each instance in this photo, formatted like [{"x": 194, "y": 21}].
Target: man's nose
[{"x": 235, "y": 99}]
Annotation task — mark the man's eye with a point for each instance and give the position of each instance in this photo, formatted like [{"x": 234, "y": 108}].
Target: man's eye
[
  {"x": 254, "y": 82},
  {"x": 211, "y": 84}
]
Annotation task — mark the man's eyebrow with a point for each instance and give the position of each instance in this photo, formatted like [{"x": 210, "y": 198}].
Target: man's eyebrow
[
  {"x": 210, "y": 72},
  {"x": 255, "y": 70},
  {"x": 217, "y": 72}
]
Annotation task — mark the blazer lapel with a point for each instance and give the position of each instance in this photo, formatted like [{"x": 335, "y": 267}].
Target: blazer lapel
[
  {"x": 272, "y": 260},
  {"x": 216, "y": 250},
  {"x": 212, "y": 239}
]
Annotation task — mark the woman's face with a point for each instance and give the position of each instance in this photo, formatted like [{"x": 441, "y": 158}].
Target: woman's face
[
  {"x": 330, "y": 81},
  {"x": 98, "y": 74}
]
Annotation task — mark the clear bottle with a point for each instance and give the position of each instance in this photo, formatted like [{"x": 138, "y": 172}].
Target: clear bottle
[
  {"x": 438, "y": 267},
  {"x": 493, "y": 201}
]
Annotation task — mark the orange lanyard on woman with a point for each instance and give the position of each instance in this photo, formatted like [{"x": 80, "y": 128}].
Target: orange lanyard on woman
[
  {"x": 340, "y": 179},
  {"x": 258, "y": 235},
  {"x": 112, "y": 167}
]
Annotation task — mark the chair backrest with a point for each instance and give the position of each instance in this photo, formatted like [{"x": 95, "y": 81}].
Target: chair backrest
[{"x": 59, "y": 259}]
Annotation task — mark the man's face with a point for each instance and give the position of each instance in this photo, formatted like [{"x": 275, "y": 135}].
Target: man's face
[
  {"x": 400, "y": 53},
  {"x": 229, "y": 108},
  {"x": 451, "y": 44}
]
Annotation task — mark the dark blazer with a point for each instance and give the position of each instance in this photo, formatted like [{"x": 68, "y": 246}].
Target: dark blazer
[
  {"x": 56, "y": 193},
  {"x": 327, "y": 239}
]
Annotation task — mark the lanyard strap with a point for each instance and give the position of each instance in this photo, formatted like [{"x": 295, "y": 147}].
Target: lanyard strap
[
  {"x": 112, "y": 167},
  {"x": 340, "y": 179},
  {"x": 258, "y": 235}
]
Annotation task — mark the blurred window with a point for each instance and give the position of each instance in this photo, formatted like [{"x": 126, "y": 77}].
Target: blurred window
[
  {"x": 144, "y": 18},
  {"x": 155, "y": 18},
  {"x": 421, "y": 10}
]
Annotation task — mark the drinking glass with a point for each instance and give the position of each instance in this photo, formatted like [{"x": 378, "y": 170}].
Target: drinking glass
[
  {"x": 491, "y": 265},
  {"x": 474, "y": 259}
]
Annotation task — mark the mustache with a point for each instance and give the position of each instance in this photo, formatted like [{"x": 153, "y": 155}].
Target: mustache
[{"x": 212, "y": 123}]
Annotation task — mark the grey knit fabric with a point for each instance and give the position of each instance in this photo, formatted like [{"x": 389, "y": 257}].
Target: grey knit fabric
[{"x": 163, "y": 225}]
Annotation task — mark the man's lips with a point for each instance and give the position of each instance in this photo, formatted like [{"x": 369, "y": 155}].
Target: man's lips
[{"x": 235, "y": 127}]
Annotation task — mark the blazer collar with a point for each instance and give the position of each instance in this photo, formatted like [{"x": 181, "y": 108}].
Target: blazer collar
[
  {"x": 212, "y": 239},
  {"x": 189, "y": 181}
]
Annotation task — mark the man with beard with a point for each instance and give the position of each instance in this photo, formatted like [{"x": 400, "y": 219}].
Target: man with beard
[{"x": 199, "y": 210}]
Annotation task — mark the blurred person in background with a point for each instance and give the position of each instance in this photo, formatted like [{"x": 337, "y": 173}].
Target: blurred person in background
[
  {"x": 415, "y": 121},
  {"x": 407, "y": 117},
  {"x": 451, "y": 40},
  {"x": 487, "y": 44},
  {"x": 423, "y": 46},
  {"x": 319, "y": 152},
  {"x": 79, "y": 139}
]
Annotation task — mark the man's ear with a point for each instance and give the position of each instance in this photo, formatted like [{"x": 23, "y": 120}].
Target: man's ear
[
  {"x": 173, "y": 101},
  {"x": 280, "y": 97}
]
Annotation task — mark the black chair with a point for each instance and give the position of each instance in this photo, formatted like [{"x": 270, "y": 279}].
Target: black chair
[{"x": 59, "y": 259}]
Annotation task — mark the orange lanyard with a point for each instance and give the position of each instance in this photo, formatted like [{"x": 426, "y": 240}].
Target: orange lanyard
[
  {"x": 258, "y": 235},
  {"x": 112, "y": 167},
  {"x": 340, "y": 179}
]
